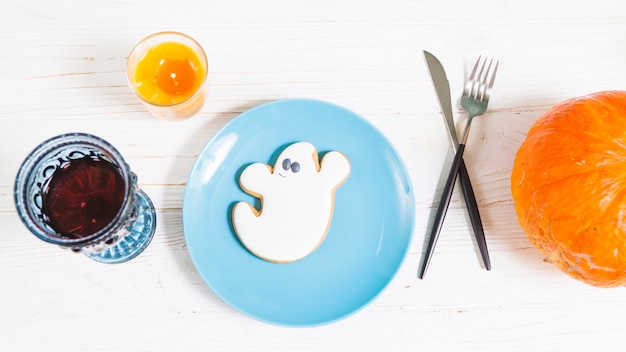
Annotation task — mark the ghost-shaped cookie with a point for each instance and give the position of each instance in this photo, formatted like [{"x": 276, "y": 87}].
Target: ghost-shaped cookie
[{"x": 297, "y": 198}]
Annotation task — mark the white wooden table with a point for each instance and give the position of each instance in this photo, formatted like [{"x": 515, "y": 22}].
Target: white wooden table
[{"x": 62, "y": 70}]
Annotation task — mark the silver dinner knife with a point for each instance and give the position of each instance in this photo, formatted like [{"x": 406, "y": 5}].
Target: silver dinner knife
[{"x": 442, "y": 87}]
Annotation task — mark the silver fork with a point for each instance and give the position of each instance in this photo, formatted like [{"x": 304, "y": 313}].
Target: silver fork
[
  {"x": 477, "y": 92},
  {"x": 474, "y": 100}
]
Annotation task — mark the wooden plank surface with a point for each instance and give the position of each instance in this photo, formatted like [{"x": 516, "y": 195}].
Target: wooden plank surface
[{"x": 62, "y": 69}]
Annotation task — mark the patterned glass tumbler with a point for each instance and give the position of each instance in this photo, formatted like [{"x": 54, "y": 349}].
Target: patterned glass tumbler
[{"x": 76, "y": 191}]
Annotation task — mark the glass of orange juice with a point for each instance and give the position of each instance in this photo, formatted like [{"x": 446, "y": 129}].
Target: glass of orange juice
[{"x": 168, "y": 72}]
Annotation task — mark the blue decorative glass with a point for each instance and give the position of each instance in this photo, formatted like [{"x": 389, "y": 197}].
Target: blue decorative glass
[{"x": 76, "y": 176}]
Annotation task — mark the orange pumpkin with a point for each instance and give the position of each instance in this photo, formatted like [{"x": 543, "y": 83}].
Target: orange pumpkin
[{"x": 569, "y": 187}]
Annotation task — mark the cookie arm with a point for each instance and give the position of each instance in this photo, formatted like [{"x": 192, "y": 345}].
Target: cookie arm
[
  {"x": 254, "y": 178},
  {"x": 335, "y": 166}
]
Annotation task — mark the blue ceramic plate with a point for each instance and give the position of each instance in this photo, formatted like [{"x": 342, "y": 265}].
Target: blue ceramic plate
[{"x": 368, "y": 238}]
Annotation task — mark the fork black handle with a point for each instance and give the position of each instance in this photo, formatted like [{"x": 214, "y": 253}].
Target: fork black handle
[
  {"x": 474, "y": 214},
  {"x": 443, "y": 207}
]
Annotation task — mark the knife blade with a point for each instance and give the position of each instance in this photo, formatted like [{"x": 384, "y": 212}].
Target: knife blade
[{"x": 442, "y": 88}]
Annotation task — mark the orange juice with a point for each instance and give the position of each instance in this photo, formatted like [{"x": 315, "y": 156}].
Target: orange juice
[{"x": 168, "y": 72}]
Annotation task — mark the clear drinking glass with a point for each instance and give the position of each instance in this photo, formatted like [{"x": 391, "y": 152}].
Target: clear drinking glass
[
  {"x": 76, "y": 191},
  {"x": 168, "y": 72}
]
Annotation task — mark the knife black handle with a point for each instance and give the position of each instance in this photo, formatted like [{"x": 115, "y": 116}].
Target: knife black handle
[
  {"x": 474, "y": 214},
  {"x": 443, "y": 207}
]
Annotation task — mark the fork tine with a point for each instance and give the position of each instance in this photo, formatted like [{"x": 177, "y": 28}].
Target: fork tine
[
  {"x": 469, "y": 86},
  {"x": 481, "y": 79},
  {"x": 471, "y": 76},
  {"x": 491, "y": 82},
  {"x": 481, "y": 91}
]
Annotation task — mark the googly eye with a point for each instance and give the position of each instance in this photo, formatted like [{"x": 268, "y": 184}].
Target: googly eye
[
  {"x": 295, "y": 167},
  {"x": 286, "y": 164}
]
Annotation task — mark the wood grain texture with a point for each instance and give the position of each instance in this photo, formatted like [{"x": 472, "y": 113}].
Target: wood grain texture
[{"x": 62, "y": 69}]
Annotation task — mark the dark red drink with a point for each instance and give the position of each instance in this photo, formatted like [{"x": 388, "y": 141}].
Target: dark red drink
[{"x": 83, "y": 197}]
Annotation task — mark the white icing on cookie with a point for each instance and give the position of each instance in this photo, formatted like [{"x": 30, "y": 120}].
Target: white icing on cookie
[{"x": 297, "y": 197}]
